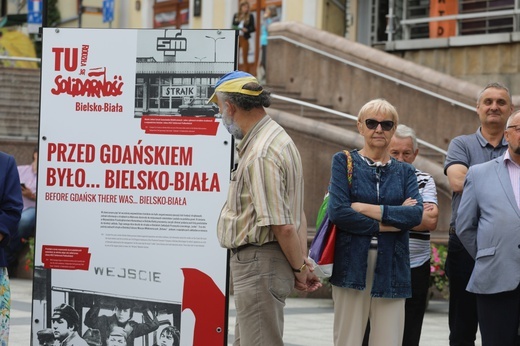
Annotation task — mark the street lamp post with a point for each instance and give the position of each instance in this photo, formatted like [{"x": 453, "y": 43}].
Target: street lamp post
[{"x": 215, "y": 44}]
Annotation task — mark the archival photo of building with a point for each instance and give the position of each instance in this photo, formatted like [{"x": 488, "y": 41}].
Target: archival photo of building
[{"x": 176, "y": 70}]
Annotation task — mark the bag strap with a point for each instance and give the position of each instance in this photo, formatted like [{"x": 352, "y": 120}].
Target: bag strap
[
  {"x": 323, "y": 208},
  {"x": 349, "y": 167}
]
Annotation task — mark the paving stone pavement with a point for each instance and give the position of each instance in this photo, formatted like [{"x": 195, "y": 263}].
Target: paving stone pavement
[{"x": 308, "y": 321}]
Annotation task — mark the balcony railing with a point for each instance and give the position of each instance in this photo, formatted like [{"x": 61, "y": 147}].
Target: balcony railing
[{"x": 477, "y": 22}]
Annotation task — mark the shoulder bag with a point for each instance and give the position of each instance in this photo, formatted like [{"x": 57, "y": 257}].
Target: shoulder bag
[{"x": 321, "y": 252}]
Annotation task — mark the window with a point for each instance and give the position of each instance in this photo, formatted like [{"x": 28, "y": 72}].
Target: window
[
  {"x": 139, "y": 94},
  {"x": 170, "y": 13},
  {"x": 419, "y": 9},
  {"x": 486, "y": 25}
]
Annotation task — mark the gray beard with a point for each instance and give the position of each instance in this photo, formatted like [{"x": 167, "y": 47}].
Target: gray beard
[{"x": 232, "y": 128}]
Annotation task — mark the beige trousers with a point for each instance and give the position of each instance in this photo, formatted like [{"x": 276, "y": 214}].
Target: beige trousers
[
  {"x": 353, "y": 308},
  {"x": 262, "y": 280}
]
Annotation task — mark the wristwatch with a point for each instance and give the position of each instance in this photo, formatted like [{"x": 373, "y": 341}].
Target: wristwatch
[{"x": 302, "y": 268}]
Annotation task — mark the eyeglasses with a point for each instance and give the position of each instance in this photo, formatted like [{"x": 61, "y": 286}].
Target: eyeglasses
[
  {"x": 386, "y": 125},
  {"x": 516, "y": 127}
]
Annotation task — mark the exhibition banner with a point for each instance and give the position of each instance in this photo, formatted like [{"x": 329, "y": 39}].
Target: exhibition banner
[{"x": 134, "y": 168}]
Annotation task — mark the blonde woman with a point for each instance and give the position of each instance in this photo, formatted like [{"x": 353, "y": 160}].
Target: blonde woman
[
  {"x": 371, "y": 275},
  {"x": 244, "y": 22}
]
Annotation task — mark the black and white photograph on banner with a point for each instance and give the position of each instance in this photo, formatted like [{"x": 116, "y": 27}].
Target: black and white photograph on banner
[
  {"x": 132, "y": 172},
  {"x": 176, "y": 73},
  {"x": 102, "y": 320}
]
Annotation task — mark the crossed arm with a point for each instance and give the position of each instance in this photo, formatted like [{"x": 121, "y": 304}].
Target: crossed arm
[{"x": 374, "y": 211}]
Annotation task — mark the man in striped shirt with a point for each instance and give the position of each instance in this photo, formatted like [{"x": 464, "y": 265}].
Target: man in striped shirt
[
  {"x": 262, "y": 221},
  {"x": 403, "y": 147}
]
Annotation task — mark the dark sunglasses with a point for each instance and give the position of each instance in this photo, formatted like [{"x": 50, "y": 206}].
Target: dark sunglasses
[{"x": 386, "y": 125}]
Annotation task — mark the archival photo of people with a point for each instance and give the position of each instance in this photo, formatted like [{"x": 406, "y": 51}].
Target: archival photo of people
[{"x": 87, "y": 318}]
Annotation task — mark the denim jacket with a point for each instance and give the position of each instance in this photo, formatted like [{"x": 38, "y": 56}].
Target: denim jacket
[{"x": 389, "y": 186}]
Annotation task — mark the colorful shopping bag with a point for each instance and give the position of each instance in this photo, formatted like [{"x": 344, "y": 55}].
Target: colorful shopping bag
[{"x": 321, "y": 252}]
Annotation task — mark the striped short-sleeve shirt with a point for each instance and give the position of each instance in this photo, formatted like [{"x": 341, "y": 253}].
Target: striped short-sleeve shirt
[
  {"x": 420, "y": 248},
  {"x": 265, "y": 189}
]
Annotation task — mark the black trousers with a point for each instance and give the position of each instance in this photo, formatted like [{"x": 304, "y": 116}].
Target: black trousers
[
  {"x": 499, "y": 317},
  {"x": 462, "y": 316},
  {"x": 415, "y": 306}
]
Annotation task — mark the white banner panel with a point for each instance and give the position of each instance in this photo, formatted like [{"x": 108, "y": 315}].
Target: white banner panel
[{"x": 133, "y": 170}]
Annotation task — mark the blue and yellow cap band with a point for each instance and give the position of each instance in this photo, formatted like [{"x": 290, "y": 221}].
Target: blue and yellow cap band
[{"x": 233, "y": 82}]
